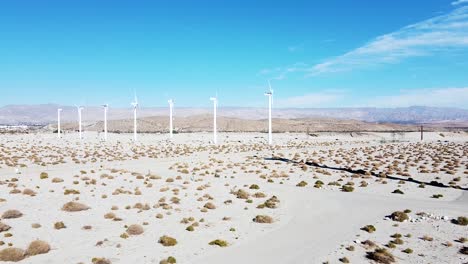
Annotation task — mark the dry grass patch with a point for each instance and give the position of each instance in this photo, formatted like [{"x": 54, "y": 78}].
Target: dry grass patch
[
  {"x": 37, "y": 247},
  {"x": 135, "y": 230},
  {"x": 11, "y": 214},
  {"x": 381, "y": 255},
  {"x": 74, "y": 207},
  {"x": 219, "y": 243},
  {"x": 12, "y": 254},
  {"x": 263, "y": 219},
  {"x": 4, "y": 227}
]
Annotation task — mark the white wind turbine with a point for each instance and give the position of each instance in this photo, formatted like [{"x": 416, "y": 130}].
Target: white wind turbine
[
  {"x": 80, "y": 110},
  {"x": 171, "y": 107},
  {"x": 135, "y": 107},
  {"x": 270, "y": 103},
  {"x": 106, "y": 107},
  {"x": 59, "y": 111},
  {"x": 215, "y": 107}
]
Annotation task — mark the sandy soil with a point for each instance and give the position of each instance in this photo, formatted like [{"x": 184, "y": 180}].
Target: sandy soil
[{"x": 195, "y": 192}]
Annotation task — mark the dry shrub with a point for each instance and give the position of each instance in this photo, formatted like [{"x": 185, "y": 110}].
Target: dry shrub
[
  {"x": 57, "y": 180},
  {"x": 135, "y": 230},
  {"x": 167, "y": 241},
  {"x": 10, "y": 214},
  {"x": 12, "y": 254},
  {"x": 4, "y": 227},
  {"x": 29, "y": 192},
  {"x": 399, "y": 216},
  {"x": 74, "y": 207},
  {"x": 210, "y": 206},
  {"x": 100, "y": 261},
  {"x": 381, "y": 255},
  {"x": 37, "y": 247},
  {"x": 263, "y": 219},
  {"x": 109, "y": 216}
]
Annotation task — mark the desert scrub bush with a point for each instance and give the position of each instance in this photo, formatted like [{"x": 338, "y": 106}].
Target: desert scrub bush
[
  {"x": 167, "y": 241},
  {"x": 37, "y": 247},
  {"x": 12, "y": 254},
  {"x": 71, "y": 191},
  {"x": 101, "y": 261},
  {"x": 219, "y": 243},
  {"x": 254, "y": 187},
  {"x": 344, "y": 260},
  {"x": 427, "y": 238},
  {"x": 59, "y": 225},
  {"x": 135, "y": 230},
  {"x": 381, "y": 255},
  {"x": 11, "y": 214},
  {"x": 461, "y": 220},
  {"x": 398, "y": 191},
  {"x": 369, "y": 229},
  {"x": 74, "y": 207},
  {"x": 270, "y": 203},
  {"x": 4, "y": 227},
  {"x": 190, "y": 228},
  {"x": 43, "y": 175},
  {"x": 210, "y": 206},
  {"x": 263, "y": 219},
  {"x": 241, "y": 194},
  {"x": 350, "y": 248},
  {"x": 437, "y": 196},
  {"x": 408, "y": 251},
  {"x": 347, "y": 188},
  {"x": 399, "y": 216},
  {"x": 302, "y": 184},
  {"x": 464, "y": 250},
  {"x": 29, "y": 192},
  {"x": 169, "y": 260},
  {"x": 110, "y": 216},
  {"x": 57, "y": 180}
]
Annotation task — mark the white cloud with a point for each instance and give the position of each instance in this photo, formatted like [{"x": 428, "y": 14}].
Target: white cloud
[
  {"x": 459, "y": 2},
  {"x": 442, "y": 97},
  {"x": 320, "y": 99},
  {"x": 440, "y": 34}
]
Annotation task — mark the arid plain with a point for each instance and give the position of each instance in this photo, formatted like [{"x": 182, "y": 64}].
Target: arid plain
[{"x": 321, "y": 198}]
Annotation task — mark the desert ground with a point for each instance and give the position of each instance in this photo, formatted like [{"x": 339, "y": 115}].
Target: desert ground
[{"x": 321, "y": 198}]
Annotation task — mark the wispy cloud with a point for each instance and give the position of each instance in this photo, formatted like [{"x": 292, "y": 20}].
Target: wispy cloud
[
  {"x": 426, "y": 38},
  {"x": 280, "y": 73},
  {"x": 460, "y": 2},
  {"x": 442, "y": 97},
  {"x": 319, "y": 99}
]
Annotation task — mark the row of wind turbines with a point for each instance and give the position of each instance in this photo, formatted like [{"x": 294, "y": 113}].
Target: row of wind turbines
[{"x": 135, "y": 105}]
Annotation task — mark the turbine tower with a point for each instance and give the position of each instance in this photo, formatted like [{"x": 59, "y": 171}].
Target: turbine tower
[
  {"x": 59, "y": 111},
  {"x": 106, "y": 107},
  {"x": 171, "y": 106},
  {"x": 215, "y": 107},
  {"x": 80, "y": 109},
  {"x": 135, "y": 107},
  {"x": 270, "y": 103}
]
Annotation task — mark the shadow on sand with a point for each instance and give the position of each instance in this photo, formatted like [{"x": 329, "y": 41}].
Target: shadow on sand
[{"x": 363, "y": 172}]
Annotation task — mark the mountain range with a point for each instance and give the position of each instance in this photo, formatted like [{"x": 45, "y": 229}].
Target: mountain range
[{"x": 47, "y": 114}]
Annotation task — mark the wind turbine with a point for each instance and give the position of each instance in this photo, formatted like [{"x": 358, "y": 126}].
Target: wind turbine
[
  {"x": 80, "y": 109},
  {"x": 270, "y": 103},
  {"x": 171, "y": 106},
  {"x": 135, "y": 107},
  {"x": 59, "y": 111},
  {"x": 215, "y": 107},
  {"x": 106, "y": 107}
]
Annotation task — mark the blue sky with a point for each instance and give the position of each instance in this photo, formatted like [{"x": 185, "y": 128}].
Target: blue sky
[{"x": 316, "y": 53}]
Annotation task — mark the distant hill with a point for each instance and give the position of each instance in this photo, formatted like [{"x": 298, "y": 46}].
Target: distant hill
[
  {"x": 201, "y": 123},
  {"x": 46, "y": 114}
]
